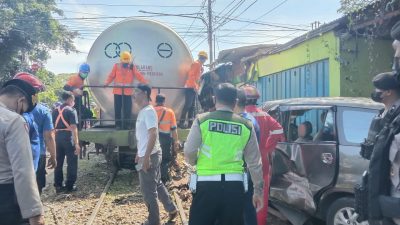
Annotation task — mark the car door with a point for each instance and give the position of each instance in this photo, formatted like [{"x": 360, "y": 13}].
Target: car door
[{"x": 302, "y": 169}]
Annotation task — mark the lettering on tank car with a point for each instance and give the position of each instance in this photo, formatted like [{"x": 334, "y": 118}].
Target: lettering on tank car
[{"x": 225, "y": 128}]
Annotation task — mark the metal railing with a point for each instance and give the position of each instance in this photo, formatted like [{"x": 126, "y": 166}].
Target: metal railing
[{"x": 86, "y": 104}]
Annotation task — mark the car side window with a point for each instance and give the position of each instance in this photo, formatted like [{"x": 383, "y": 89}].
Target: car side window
[
  {"x": 312, "y": 125},
  {"x": 355, "y": 124}
]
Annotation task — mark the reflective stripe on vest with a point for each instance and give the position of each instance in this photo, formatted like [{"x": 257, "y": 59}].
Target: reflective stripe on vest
[
  {"x": 223, "y": 143},
  {"x": 61, "y": 117}
]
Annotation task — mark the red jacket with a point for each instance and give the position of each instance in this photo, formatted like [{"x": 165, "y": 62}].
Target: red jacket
[{"x": 271, "y": 132}]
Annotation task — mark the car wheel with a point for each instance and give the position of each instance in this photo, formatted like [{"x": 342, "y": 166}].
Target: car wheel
[{"x": 341, "y": 212}]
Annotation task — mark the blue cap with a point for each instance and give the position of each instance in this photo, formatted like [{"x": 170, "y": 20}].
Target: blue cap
[{"x": 84, "y": 68}]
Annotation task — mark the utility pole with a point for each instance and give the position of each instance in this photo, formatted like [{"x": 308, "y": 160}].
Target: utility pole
[{"x": 210, "y": 33}]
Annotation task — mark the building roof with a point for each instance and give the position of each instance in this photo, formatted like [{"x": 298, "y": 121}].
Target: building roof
[
  {"x": 338, "y": 23},
  {"x": 238, "y": 54}
]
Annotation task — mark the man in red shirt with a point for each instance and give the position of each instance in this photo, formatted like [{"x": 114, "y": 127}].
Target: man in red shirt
[
  {"x": 192, "y": 85},
  {"x": 271, "y": 132}
]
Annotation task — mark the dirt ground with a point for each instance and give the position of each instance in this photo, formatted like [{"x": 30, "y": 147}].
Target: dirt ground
[{"x": 123, "y": 204}]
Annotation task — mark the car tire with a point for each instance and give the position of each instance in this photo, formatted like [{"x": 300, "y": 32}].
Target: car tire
[{"x": 341, "y": 212}]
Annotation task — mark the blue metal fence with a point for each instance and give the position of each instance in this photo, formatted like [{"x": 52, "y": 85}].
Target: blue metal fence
[{"x": 311, "y": 80}]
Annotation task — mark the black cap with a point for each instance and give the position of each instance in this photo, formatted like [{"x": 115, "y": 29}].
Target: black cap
[
  {"x": 26, "y": 89},
  {"x": 395, "y": 32},
  {"x": 160, "y": 98},
  {"x": 385, "y": 81},
  {"x": 146, "y": 89}
]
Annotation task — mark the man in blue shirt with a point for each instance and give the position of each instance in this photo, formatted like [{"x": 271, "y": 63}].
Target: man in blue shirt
[
  {"x": 34, "y": 138},
  {"x": 44, "y": 121},
  {"x": 250, "y": 215}
]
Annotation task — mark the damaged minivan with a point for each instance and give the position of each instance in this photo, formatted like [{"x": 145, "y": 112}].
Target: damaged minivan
[{"x": 314, "y": 171}]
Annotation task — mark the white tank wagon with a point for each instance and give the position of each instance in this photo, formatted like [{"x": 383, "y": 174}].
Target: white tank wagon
[
  {"x": 158, "y": 52},
  {"x": 162, "y": 57}
]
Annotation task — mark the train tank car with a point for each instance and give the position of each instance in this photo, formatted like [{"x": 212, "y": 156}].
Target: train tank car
[{"x": 162, "y": 57}]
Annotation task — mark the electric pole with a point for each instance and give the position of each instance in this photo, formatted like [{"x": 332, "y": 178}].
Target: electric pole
[{"x": 210, "y": 33}]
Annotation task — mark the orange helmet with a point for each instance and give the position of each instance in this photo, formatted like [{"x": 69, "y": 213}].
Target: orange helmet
[
  {"x": 251, "y": 92},
  {"x": 125, "y": 57},
  {"x": 31, "y": 79}
]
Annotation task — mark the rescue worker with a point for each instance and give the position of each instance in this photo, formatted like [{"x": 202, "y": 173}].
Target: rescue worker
[
  {"x": 250, "y": 214},
  {"x": 75, "y": 85},
  {"x": 67, "y": 143},
  {"x": 271, "y": 132},
  {"x": 33, "y": 138},
  {"x": 148, "y": 159},
  {"x": 217, "y": 144},
  {"x": 124, "y": 74},
  {"x": 19, "y": 196},
  {"x": 192, "y": 87},
  {"x": 42, "y": 118},
  {"x": 168, "y": 135}
]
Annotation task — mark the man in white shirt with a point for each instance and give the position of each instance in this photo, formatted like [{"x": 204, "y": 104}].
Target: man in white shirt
[{"x": 148, "y": 159}]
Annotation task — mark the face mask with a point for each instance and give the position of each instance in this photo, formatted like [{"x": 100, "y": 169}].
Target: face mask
[
  {"x": 376, "y": 96},
  {"x": 125, "y": 65},
  {"x": 84, "y": 75},
  {"x": 202, "y": 60}
]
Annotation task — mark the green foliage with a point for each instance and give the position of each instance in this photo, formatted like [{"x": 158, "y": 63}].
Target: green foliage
[
  {"x": 350, "y": 6},
  {"x": 54, "y": 85},
  {"x": 28, "y": 31}
]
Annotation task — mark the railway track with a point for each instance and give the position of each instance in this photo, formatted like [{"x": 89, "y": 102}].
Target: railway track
[{"x": 92, "y": 218}]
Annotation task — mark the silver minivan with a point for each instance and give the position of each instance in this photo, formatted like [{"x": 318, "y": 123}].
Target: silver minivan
[{"x": 314, "y": 171}]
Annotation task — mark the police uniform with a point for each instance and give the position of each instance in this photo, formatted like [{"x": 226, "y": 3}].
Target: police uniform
[
  {"x": 383, "y": 172},
  {"x": 217, "y": 144},
  {"x": 19, "y": 195}
]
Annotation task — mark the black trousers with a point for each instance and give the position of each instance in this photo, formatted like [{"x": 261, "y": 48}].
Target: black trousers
[
  {"x": 41, "y": 173},
  {"x": 10, "y": 213},
  {"x": 166, "y": 147},
  {"x": 65, "y": 149},
  {"x": 217, "y": 202},
  {"x": 250, "y": 214},
  {"x": 123, "y": 105},
  {"x": 188, "y": 108}
]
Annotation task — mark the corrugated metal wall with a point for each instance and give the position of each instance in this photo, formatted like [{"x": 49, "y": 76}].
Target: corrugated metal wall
[{"x": 311, "y": 80}]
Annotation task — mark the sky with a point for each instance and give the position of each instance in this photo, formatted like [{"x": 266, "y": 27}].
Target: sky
[{"x": 238, "y": 22}]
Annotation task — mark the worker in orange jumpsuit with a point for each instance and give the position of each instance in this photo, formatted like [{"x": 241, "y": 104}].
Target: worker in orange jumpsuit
[
  {"x": 124, "y": 74},
  {"x": 271, "y": 132},
  {"x": 192, "y": 85},
  {"x": 167, "y": 135},
  {"x": 75, "y": 85}
]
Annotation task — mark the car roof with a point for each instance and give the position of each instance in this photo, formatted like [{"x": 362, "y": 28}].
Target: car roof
[{"x": 357, "y": 102}]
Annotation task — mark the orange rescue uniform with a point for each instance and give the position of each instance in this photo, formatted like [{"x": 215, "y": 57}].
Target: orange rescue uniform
[
  {"x": 124, "y": 77},
  {"x": 168, "y": 121},
  {"x": 196, "y": 69},
  {"x": 75, "y": 82}
]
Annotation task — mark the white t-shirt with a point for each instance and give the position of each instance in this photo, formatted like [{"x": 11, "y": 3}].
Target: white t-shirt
[{"x": 146, "y": 120}]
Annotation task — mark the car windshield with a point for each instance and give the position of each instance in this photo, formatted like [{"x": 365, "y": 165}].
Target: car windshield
[{"x": 355, "y": 124}]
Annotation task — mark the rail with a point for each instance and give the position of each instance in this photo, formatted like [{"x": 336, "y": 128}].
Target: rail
[{"x": 86, "y": 104}]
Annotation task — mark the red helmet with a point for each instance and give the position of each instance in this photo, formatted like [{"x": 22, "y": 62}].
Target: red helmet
[
  {"x": 31, "y": 79},
  {"x": 251, "y": 92}
]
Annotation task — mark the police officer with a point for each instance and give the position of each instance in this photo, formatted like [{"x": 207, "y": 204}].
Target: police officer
[
  {"x": 380, "y": 187},
  {"x": 19, "y": 195},
  {"x": 217, "y": 144}
]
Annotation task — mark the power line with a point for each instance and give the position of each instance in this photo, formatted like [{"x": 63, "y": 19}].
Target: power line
[
  {"x": 130, "y": 5},
  {"x": 202, "y": 6},
  {"x": 269, "y": 11},
  {"x": 241, "y": 13}
]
